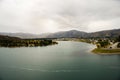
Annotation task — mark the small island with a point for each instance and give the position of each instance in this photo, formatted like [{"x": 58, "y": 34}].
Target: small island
[{"x": 7, "y": 41}]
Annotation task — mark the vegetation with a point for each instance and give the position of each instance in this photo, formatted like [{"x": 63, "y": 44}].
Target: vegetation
[
  {"x": 118, "y": 45},
  {"x": 101, "y": 50},
  {"x": 6, "y": 41},
  {"x": 102, "y": 46},
  {"x": 118, "y": 39},
  {"x": 85, "y": 40},
  {"x": 102, "y": 43}
]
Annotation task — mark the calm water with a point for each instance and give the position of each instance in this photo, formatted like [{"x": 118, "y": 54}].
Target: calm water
[{"x": 65, "y": 61}]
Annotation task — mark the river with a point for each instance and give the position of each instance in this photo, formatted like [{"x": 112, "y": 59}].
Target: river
[{"x": 66, "y": 61}]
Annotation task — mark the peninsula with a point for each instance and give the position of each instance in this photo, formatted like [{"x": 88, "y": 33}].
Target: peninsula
[{"x": 6, "y": 41}]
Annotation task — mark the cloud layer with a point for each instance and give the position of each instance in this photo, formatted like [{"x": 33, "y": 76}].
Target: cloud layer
[{"x": 40, "y": 16}]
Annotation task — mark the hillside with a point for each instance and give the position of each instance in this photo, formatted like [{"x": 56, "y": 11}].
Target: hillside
[
  {"x": 2, "y": 37},
  {"x": 67, "y": 34},
  {"x": 81, "y": 34},
  {"x": 106, "y": 33}
]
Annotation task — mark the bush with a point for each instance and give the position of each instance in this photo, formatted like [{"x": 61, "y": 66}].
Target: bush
[{"x": 103, "y": 43}]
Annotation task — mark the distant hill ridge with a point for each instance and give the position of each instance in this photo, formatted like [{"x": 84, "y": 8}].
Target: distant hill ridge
[
  {"x": 3, "y": 37},
  {"x": 67, "y": 34}
]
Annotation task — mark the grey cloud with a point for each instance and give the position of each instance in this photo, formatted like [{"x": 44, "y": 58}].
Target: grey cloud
[{"x": 84, "y": 15}]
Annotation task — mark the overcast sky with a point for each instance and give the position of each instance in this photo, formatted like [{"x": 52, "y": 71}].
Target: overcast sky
[{"x": 41, "y": 16}]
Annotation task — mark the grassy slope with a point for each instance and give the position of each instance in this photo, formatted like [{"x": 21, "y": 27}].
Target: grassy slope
[{"x": 107, "y": 51}]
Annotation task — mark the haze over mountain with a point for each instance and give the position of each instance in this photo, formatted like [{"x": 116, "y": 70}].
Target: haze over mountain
[{"x": 67, "y": 34}]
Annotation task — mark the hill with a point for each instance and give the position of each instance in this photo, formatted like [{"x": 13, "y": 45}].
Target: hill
[
  {"x": 105, "y": 33},
  {"x": 81, "y": 34},
  {"x": 2, "y": 37},
  {"x": 67, "y": 34}
]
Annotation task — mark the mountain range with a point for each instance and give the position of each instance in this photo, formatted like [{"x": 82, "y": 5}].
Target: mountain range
[{"x": 67, "y": 34}]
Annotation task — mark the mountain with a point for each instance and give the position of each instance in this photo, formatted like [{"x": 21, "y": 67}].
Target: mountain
[
  {"x": 81, "y": 34},
  {"x": 105, "y": 33},
  {"x": 20, "y": 35},
  {"x": 25, "y": 35},
  {"x": 67, "y": 34}
]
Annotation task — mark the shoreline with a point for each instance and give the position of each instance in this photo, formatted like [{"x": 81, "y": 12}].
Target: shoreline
[
  {"x": 96, "y": 50},
  {"x": 105, "y": 51}
]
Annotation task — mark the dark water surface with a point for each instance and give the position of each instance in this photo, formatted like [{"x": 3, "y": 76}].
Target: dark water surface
[{"x": 65, "y": 61}]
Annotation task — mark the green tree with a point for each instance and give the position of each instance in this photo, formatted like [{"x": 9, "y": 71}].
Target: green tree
[{"x": 119, "y": 38}]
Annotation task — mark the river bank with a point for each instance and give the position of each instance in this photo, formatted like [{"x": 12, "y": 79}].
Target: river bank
[
  {"x": 6, "y": 41},
  {"x": 99, "y": 49},
  {"x": 110, "y": 49},
  {"x": 106, "y": 51}
]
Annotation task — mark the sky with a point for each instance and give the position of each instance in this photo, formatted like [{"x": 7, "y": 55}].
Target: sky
[{"x": 44, "y": 16}]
